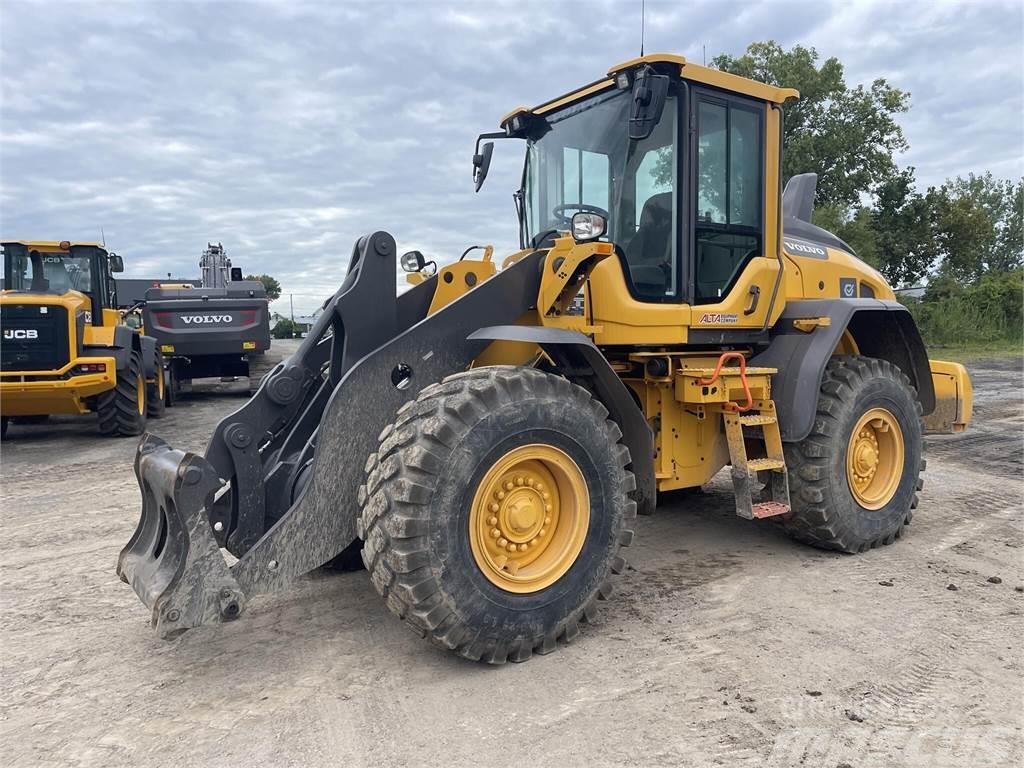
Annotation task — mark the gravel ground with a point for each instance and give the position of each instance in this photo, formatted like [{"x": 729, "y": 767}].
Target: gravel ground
[{"x": 727, "y": 644}]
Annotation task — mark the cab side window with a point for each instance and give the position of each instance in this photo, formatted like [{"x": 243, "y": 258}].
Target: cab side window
[{"x": 727, "y": 225}]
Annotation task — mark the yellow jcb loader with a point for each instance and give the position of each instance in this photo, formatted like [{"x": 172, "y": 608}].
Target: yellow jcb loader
[
  {"x": 486, "y": 438},
  {"x": 66, "y": 348}
]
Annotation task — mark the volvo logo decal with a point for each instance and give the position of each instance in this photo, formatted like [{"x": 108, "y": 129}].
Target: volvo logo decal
[{"x": 202, "y": 319}]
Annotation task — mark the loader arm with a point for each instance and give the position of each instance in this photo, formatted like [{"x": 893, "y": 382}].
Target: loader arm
[{"x": 279, "y": 481}]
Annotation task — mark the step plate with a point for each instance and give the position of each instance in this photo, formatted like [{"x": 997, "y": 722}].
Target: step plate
[{"x": 769, "y": 509}]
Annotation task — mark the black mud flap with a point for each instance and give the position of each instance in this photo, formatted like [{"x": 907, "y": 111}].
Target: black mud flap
[{"x": 172, "y": 561}]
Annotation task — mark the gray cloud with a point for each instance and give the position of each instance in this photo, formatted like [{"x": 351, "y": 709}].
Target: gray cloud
[{"x": 286, "y": 130}]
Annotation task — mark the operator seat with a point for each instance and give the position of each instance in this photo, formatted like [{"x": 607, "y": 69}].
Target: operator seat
[{"x": 649, "y": 252}]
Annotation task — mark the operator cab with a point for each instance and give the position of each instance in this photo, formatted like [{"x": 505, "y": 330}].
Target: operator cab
[
  {"x": 674, "y": 157},
  {"x": 56, "y": 268}
]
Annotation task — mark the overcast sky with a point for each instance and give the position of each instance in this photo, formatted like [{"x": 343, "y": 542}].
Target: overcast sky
[{"x": 286, "y": 130}]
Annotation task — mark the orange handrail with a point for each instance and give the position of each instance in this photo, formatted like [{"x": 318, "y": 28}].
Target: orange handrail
[{"x": 743, "y": 380}]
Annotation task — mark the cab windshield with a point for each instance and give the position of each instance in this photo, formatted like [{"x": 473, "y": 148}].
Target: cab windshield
[
  {"x": 581, "y": 158},
  {"x": 47, "y": 272}
]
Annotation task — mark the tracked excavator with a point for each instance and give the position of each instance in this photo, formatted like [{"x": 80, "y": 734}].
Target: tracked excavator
[{"x": 486, "y": 438}]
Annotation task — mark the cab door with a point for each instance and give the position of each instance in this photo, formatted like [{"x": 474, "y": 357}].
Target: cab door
[{"x": 733, "y": 268}]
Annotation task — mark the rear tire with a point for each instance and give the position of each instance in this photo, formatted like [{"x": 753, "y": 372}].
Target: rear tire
[
  {"x": 156, "y": 393},
  {"x": 4, "y": 421},
  {"x": 122, "y": 410},
  {"x": 435, "y": 471},
  {"x": 868, "y": 421}
]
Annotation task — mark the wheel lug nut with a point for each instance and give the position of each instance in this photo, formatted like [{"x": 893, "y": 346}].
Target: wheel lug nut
[
  {"x": 522, "y": 547},
  {"x": 494, "y": 507},
  {"x": 501, "y": 494},
  {"x": 547, "y": 508},
  {"x": 512, "y": 547},
  {"x": 509, "y": 485},
  {"x": 495, "y": 533},
  {"x": 547, "y": 521},
  {"x": 546, "y": 495},
  {"x": 543, "y": 531},
  {"x": 519, "y": 481},
  {"x": 502, "y": 542},
  {"x": 492, "y": 521},
  {"x": 531, "y": 482}
]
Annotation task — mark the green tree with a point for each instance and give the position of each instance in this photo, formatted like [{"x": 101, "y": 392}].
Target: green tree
[
  {"x": 273, "y": 287},
  {"x": 848, "y": 136},
  {"x": 284, "y": 329},
  {"x": 979, "y": 226}
]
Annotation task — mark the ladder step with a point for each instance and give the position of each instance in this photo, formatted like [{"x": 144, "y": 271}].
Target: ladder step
[
  {"x": 754, "y": 421},
  {"x": 756, "y": 465},
  {"x": 769, "y": 509}
]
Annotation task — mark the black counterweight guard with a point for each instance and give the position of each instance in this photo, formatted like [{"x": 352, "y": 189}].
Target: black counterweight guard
[
  {"x": 286, "y": 466},
  {"x": 172, "y": 560}
]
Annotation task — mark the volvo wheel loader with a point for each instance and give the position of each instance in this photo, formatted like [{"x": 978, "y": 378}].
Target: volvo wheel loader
[
  {"x": 66, "y": 348},
  {"x": 486, "y": 447}
]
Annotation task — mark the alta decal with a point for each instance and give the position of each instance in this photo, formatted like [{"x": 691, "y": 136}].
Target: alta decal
[{"x": 718, "y": 318}]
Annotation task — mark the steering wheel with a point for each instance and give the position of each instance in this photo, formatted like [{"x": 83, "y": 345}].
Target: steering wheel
[{"x": 559, "y": 211}]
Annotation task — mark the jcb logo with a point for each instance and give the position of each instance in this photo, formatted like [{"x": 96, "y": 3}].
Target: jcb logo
[
  {"x": 197, "y": 319},
  {"x": 21, "y": 333}
]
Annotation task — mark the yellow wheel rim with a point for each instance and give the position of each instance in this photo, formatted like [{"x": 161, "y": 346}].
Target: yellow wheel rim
[
  {"x": 140, "y": 393},
  {"x": 529, "y": 518},
  {"x": 160, "y": 383},
  {"x": 874, "y": 458}
]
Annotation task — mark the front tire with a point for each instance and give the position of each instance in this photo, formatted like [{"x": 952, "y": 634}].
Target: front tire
[
  {"x": 122, "y": 409},
  {"x": 854, "y": 480},
  {"x": 512, "y": 450}
]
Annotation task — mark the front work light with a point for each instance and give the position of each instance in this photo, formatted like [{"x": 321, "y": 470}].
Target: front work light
[
  {"x": 413, "y": 261},
  {"x": 588, "y": 226}
]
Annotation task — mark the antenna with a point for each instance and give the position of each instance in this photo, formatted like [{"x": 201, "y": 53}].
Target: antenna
[{"x": 643, "y": 13}]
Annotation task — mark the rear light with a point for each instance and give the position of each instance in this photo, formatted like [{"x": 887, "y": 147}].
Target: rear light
[
  {"x": 162, "y": 319},
  {"x": 248, "y": 316}
]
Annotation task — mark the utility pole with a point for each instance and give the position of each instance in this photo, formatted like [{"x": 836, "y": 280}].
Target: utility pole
[{"x": 291, "y": 302}]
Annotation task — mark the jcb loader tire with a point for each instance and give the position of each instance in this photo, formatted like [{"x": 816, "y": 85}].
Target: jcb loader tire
[
  {"x": 494, "y": 511},
  {"x": 122, "y": 410},
  {"x": 854, "y": 480},
  {"x": 156, "y": 393}
]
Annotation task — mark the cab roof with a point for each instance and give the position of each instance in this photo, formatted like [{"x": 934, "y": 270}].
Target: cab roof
[
  {"x": 53, "y": 246},
  {"x": 687, "y": 70}
]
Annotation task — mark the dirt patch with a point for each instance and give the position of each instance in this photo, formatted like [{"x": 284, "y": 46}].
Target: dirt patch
[{"x": 727, "y": 643}]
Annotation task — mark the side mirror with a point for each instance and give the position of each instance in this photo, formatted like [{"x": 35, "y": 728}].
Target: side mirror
[
  {"x": 649, "y": 93},
  {"x": 116, "y": 262},
  {"x": 482, "y": 164}
]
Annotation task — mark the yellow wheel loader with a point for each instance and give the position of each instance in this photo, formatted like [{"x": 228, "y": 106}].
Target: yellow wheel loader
[
  {"x": 66, "y": 348},
  {"x": 486, "y": 438}
]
